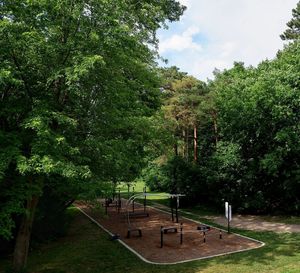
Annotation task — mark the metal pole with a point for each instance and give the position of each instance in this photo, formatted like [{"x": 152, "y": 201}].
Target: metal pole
[
  {"x": 161, "y": 237},
  {"x": 228, "y": 221},
  {"x": 181, "y": 235},
  {"x": 176, "y": 209},
  {"x": 119, "y": 201},
  {"x": 145, "y": 200},
  {"x": 133, "y": 199},
  {"x": 171, "y": 202},
  {"x": 133, "y": 205}
]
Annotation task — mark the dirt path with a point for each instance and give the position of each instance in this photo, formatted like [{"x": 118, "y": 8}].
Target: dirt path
[
  {"x": 252, "y": 222},
  {"x": 249, "y": 222}
]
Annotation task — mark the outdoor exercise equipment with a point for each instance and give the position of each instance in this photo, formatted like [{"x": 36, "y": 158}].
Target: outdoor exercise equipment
[
  {"x": 132, "y": 214},
  {"x": 138, "y": 230},
  {"x": 174, "y": 202},
  {"x": 169, "y": 229},
  {"x": 204, "y": 229},
  {"x": 133, "y": 200},
  {"x": 228, "y": 215},
  {"x": 138, "y": 214},
  {"x": 109, "y": 202},
  {"x": 165, "y": 230},
  {"x": 145, "y": 198},
  {"x": 114, "y": 237}
]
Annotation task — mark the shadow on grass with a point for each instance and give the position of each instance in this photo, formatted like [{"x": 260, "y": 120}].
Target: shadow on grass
[{"x": 88, "y": 249}]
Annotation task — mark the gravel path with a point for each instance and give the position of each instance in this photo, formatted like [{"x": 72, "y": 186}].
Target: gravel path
[
  {"x": 249, "y": 222},
  {"x": 253, "y": 222}
]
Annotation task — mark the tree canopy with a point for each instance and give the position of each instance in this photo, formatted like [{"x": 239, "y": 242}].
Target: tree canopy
[
  {"x": 77, "y": 85},
  {"x": 84, "y": 106},
  {"x": 293, "y": 31}
]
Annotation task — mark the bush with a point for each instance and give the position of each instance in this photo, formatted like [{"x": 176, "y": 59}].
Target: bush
[
  {"x": 155, "y": 178},
  {"x": 51, "y": 218}
]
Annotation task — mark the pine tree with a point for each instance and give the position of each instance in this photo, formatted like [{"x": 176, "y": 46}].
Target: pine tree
[{"x": 293, "y": 32}]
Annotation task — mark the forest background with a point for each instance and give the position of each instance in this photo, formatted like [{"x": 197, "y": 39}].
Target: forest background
[{"x": 83, "y": 107}]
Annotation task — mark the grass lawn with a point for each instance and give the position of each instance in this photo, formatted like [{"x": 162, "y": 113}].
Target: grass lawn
[
  {"x": 87, "y": 249},
  {"x": 138, "y": 187}
]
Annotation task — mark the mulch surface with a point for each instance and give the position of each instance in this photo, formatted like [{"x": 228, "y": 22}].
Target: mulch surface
[{"x": 149, "y": 245}]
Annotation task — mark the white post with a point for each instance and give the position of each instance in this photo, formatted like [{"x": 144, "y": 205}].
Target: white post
[{"x": 228, "y": 215}]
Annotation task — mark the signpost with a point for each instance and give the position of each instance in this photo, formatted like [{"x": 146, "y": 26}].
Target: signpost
[{"x": 228, "y": 215}]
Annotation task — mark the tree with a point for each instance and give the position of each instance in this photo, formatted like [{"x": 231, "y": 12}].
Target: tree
[
  {"x": 183, "y": 97},
  {"x": 77, "y": 80},
  {"x": 183, "y": 116},
  {"x": 293, "y": 31},
  {"x": 258, "y": 121}
]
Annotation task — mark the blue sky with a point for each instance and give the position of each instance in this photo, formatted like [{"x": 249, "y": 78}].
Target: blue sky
[{"x": 215, "y": 33}]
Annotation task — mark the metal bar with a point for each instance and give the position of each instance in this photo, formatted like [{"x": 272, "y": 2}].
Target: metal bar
[
  {"x": 181, "y": 234},
  {"x": 161, "y": 237}
]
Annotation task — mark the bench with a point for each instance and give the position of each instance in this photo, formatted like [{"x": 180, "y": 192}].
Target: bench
[
  {"x": 169, "y": 229},
  {"x": 138, "y": 230},
  {"x": 203, "y": 228},
  {"x": 138, "y": 214}
]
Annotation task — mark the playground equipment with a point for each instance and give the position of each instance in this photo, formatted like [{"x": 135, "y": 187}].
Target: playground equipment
[
  {"x": 228, "y": 215},
  {"x": 165, "y": 230},
  {"x": 204, "y": 229},
  {"x": 138, "y": 230},
  {"x": 133, "y": 213},
  {"x": 174, "y": 229},
  {"x": 109, "y": 202}
]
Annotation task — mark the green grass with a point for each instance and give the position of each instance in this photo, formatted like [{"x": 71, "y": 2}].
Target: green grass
[
  {"x": 138, "y": 187},
  {"x": 87, "y": 249}
]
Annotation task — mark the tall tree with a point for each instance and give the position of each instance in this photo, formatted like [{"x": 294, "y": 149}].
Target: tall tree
[
  {"x": 293, "y": 31},
  {"x": 77, "y": 79},
  {"x": 259, "y": 121}
]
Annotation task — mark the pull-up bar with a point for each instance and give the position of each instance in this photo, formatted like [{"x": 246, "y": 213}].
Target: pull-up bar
[{"x": 145, "y": 194}]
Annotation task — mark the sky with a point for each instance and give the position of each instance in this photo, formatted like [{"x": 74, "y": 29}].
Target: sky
[{"x": 215, "y": 33}]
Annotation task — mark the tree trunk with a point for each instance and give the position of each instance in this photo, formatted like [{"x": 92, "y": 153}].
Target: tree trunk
[
  {"x": 195, "y": 144},
  {"x": 214, "y": 116},
  {"x": 23, "y": 236},
  {"x": 184, "y": 141},
  {"x": 187, "y": 144},
  {"x": 176, "y": 135},
  {"x": 176, "y": 149},
  {"x": 185, "y": 135}
]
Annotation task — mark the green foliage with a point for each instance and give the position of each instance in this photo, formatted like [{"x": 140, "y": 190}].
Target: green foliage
[
  {"x": 247, "y": 123},
  {"x": 293, "y": 31},
  {"x": 78, "y": 85},
  {"x": 51, "y": 220},
  {"x": 155, "y": 178},
  {"x": 258, "y": 112}
]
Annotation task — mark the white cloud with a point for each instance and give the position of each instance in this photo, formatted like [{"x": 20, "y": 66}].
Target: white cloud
[
  {"x": 181, "y": 42},
  {"x": 233, "y": 30},
  {"x": 185, "y": 2}
]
